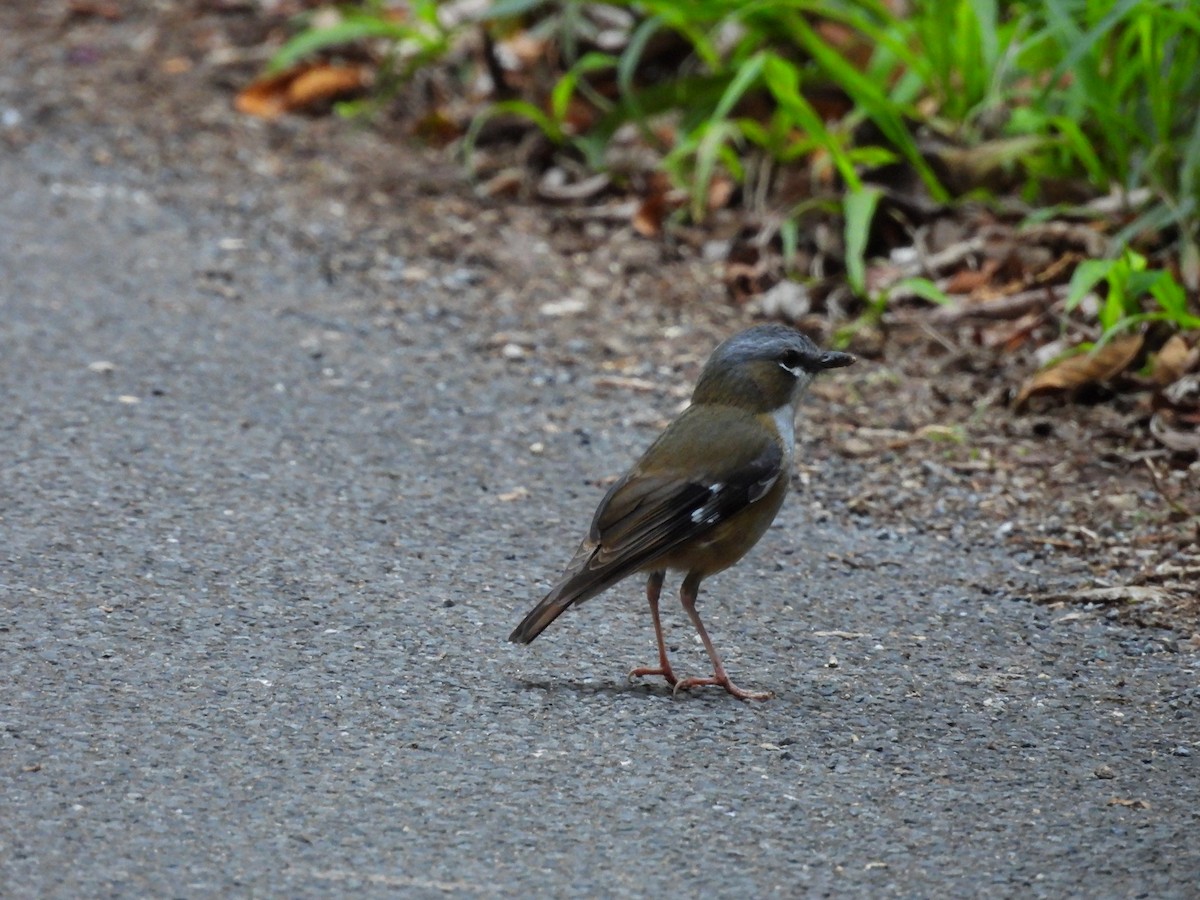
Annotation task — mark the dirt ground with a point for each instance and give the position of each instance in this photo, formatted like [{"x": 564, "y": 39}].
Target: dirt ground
[{"x": 920, "y": 435}]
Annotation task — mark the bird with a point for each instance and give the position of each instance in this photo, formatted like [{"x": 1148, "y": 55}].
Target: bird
[{"x": 703, "y": 493}]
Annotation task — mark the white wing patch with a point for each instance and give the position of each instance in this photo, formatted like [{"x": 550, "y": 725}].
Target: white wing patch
[{"x": 706, "y": 513}]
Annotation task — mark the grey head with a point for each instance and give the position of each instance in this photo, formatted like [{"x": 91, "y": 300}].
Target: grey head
[{"x": 764, "y": 367}]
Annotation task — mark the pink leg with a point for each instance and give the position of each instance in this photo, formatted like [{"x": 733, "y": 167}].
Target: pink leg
[
  {"x": 687, "y": 596},
  {"x": 653, "y": 588}
]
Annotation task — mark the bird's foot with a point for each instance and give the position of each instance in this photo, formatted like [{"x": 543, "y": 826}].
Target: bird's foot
[
  {"x": 724, "y": 681},
  {"x": 664, "y": 671}
]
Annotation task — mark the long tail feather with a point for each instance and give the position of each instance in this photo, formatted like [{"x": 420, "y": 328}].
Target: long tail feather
[
  {"x": 580, "y": 583},
  {"x": 550, "y": 608}
]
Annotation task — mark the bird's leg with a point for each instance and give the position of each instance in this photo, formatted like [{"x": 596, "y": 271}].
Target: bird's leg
[
  {"x": 687, "y": 596},
  {"x": 653, "y": 588}
]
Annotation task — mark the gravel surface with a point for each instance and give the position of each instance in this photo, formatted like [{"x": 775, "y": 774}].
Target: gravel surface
[{"x": 276, "y": 483}]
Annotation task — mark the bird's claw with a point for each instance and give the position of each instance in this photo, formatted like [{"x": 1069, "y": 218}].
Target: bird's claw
[
  {"x": 724, "y": 681},
  {"x": 664, "y": 671}
]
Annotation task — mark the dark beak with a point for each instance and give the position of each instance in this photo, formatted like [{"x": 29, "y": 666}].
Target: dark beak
[{"x": 832, "y": 359}]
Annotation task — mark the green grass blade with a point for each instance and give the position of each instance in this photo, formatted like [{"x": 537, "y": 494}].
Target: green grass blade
[
  {"x": 871, "y": 99},
  {"x": 349, "y": 30},
  {"x": 859, "y": 210}
]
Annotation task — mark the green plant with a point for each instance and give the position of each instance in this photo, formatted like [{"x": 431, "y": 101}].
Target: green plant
[
  {"x": 1127, "y": 72},
  {"x": 411, "y": 43},
  {"x": 858, "y": 211},
  {"x": 775, "y": 53},
  {"x": 1128, "y": 283},
  {"x": 1105, "y": 90},
  {"x": 552, "y": 122}
]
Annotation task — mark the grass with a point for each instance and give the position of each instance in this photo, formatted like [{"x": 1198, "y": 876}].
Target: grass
[{"x": 1102, "y": 92}]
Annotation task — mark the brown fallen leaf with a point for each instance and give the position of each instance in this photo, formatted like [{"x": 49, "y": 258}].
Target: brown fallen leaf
[
  {"x": 522, "y": 50},
  {"x": 266, "y": 97},
  {"x": 1076, "y": 371},
  {"x": 324, "y": 84},
  {"x": 649, "y": 216},
  {"x": 720, "y": 192},
  {"x": 1173, "y": 360},
  {"x": 303, "y": 88},
  {"x": 964, "y": 281}
]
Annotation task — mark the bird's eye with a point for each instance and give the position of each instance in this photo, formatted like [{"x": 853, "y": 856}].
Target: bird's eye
[{"x": 792, "y": 360}]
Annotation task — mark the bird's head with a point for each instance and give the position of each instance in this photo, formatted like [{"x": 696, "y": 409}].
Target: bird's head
[{"x": 764, "y": 368}]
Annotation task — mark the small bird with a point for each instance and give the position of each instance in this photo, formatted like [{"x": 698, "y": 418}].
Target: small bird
[{"x": 705, "y": 491}]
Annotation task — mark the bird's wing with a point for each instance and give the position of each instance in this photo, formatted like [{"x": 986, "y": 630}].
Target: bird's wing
[
  {"x": 653, "y": 510},
  {"x": 649, "y": 515}
]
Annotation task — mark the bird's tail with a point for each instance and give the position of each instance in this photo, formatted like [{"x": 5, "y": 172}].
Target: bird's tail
[
  {"x": 580, "y": 582},
  {"x": 553, "y": 605}
]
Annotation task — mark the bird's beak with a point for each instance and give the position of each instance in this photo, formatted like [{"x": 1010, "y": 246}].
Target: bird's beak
[{"x": 832, "y": 359}]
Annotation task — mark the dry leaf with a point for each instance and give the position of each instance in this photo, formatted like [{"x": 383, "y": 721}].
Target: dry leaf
[
  {"x": 720, "y": 191},
  {"x": 300, "y": 89},
  {"x": 1077, "y": 371},
  {"x": 657, "y": 203},
  {"x": 648, "y": 218},
  {"x": 966, "y": 281},
  {"x": 324, "y": 84},
  {"x": 522, "y": 51},
  {"x": 266, "y": 97},
  {"x": 1172, "y": 361}
]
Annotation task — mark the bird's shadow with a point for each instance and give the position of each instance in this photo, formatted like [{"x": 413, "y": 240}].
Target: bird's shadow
[{"x": 623, "y": 688}]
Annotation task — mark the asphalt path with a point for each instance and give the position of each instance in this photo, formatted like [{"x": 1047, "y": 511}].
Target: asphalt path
[{"x": 264, "y": 533}]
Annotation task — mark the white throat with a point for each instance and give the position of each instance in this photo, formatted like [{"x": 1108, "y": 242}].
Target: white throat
[
  {"x": 785, "y": 421},
  {"x": 785, "y": 416}
]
